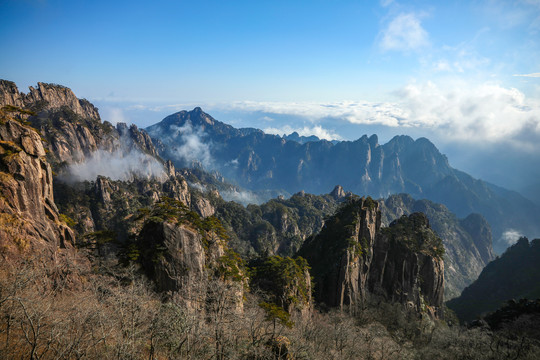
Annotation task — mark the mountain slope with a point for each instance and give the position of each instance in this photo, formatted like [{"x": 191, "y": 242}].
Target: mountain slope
[
  {"x": 515, "y": 275},
  {"x": 256, "y": 160}
]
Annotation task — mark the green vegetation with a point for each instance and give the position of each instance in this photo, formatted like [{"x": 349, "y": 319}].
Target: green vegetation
[
  {"x": 97, "y": 239},
  {"x": 69, "y": 221},
  {"x": 276, "y": 227},
  {"x": 231, "y": 266},
  {"x": 276, "y": 314},
  {"x": 283, "y": 279},
  {"x": 18, "y": 110},
  {"x": 370, "y": 203},
  {"x": 413, "y": 231}
]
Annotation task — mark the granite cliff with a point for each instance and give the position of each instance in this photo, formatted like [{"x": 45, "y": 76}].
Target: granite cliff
[
  {"x": 188, "y": 255},
  {"x": 355, "y": 261},
  {"x": 29, "y": 218}
]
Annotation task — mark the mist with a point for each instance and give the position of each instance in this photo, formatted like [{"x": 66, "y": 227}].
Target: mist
[
  {"x": 243, "y": 197},
  {"x": 189, "y": 144},
  {"x": 511, "y": 236},
  {"x": 120, "y": 164}
]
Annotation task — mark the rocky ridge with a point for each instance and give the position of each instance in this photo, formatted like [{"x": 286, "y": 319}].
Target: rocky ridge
[
  {"x": 355, "y": 261},
  {"x": 29, "y": 217},
  {"x": 72, "y": 127}
]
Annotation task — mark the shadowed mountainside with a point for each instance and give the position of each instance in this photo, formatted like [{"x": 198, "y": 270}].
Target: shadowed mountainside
[{"x": 514, "y": 275}]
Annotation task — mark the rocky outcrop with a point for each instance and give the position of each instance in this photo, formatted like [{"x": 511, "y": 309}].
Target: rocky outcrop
[
  {"x": 407, "y": 265},
  {"x": 185, "y": 256},
  {"x": 480, "y": 232},
  {"x": 138, "y": 138},
  {"x": 353, "y": 260},
  {"x": 29, "y": 217},
  {"x": 46, "y": 97},
  {"x": 338, "y": 193},
  {"x": 116, "y": 205},
  {"x": 73, "y": 127},
  {"x": 283, "y": 281},
  {"x": 467, "y": 241},
  {"x": 341, "y": 254},
  {"x": 174, "y": 256}
]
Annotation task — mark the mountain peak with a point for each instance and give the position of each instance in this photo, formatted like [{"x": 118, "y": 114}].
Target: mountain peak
[{"x": 338, "y": 192}]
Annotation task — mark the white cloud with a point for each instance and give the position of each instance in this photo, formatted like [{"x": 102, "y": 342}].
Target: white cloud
[
  {"x": 121, "y": 164},
  {"x": 358, "y": 112},
  {"x": 458, "y": 59},
  {"x": 188, "y": 144},
  {"x": 462, "y": 111},
  {"x": 455, "y": 110},
  {"x": 510, "y": 236},
  {"x": 317, "y": 130},
  {"x": 202, "y": 188},
  {"x": 404, "y": 33},
  {"x": 243, "y": 197},
  {"x": 533, "y": 75}
]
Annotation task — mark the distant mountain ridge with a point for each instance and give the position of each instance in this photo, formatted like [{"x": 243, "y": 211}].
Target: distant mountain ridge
[{"x": 256, "y": 160}]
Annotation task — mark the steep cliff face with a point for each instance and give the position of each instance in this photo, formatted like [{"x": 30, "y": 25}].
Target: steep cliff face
[
  {"x": 174, "y": 256},
  {"x": 341, "y": 255},
  {"x": 28, "y": 215},
  {"x": 187, "y": 255},
  {"x": 46, "y": 97},
  {"x": 407, "y": 265},
  {"x": 354, "y": 260},
  {"x": 467, "y": 241}
]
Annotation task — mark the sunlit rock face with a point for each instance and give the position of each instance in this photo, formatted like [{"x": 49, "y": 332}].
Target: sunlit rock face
[{"x": 29, "y": 218}]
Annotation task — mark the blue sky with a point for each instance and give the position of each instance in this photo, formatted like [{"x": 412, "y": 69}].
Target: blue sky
[{"x": 465, "y": 74}]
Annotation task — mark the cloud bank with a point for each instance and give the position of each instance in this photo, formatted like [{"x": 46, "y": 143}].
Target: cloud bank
[
  {"x": 117, "y": 165},
  {"x": 458, "y": 111},
  {"x": 187, "y": 143},
  {"x": 317, "y": 130}
]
